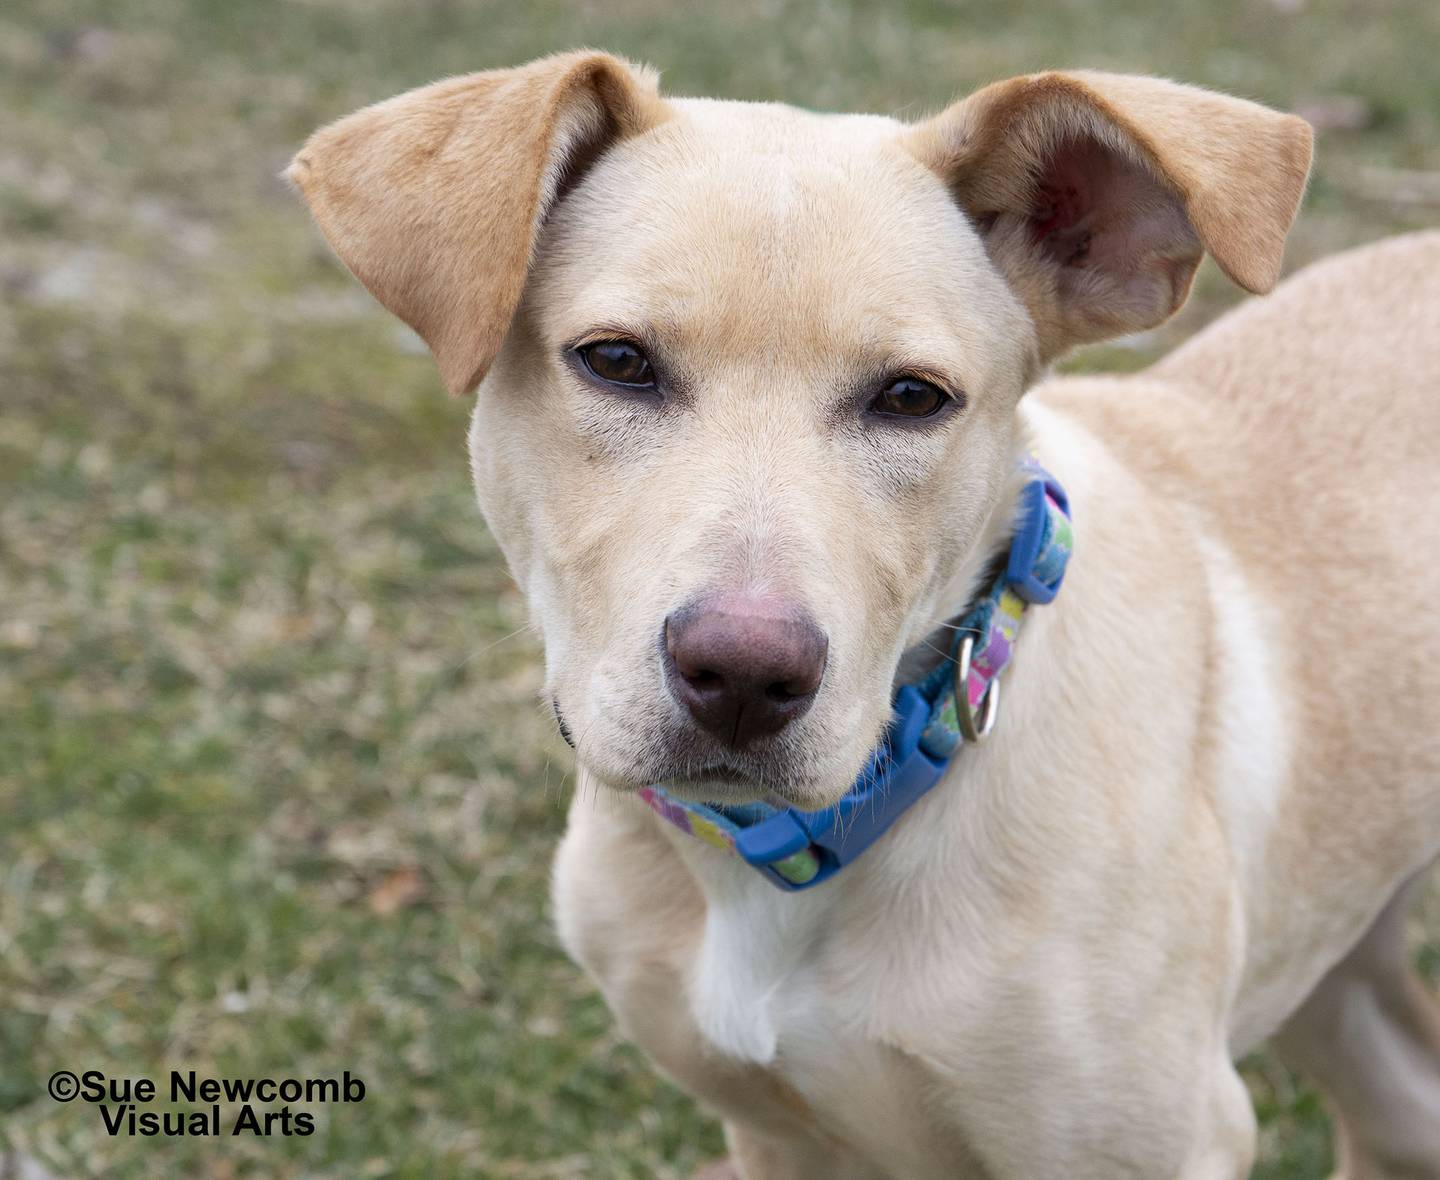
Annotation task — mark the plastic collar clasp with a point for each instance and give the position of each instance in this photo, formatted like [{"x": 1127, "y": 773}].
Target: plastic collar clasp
[{"x": 899, "y": 772}]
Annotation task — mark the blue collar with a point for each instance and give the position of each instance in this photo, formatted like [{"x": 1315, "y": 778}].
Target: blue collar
[{"x": 798, "y": 849}]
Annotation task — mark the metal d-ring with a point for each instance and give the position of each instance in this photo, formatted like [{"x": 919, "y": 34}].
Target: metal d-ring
[{"x": 989, "y": 703}]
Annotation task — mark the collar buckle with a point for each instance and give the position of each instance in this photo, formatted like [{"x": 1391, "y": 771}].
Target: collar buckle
[{"x": 899, "y": 772}]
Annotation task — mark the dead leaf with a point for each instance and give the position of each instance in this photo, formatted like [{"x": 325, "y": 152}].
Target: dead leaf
[{"x": 399, "y": 888}]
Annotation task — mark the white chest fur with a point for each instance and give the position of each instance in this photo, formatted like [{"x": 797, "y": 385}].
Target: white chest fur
[
  {"x": 755, "y": 942},
  {"x": 765, "y": 989}
]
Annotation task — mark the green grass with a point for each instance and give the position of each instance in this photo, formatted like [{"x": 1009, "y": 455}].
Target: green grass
[{"x": 261, "y": 668}]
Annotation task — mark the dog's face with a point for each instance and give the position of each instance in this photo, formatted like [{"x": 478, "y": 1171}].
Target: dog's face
[
  {"x": 750, "y": 375},
  {"x": 822, "y": 370}
]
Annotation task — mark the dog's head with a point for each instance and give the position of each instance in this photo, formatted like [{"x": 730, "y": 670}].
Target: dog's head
[{"x": 749, "y": 375}]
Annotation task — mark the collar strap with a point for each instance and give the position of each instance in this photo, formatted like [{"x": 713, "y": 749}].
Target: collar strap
[{"x": 796, "y": 849}]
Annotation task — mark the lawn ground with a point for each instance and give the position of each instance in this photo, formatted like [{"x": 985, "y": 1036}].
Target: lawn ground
[{"x": 277, "y": 793}]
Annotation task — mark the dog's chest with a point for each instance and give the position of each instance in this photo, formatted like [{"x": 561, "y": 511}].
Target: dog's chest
[
  {"x": 754, "y": 975},
  {"x": 768, "y": 989}
]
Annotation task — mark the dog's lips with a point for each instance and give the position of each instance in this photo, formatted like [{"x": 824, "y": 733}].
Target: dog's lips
[
  {"x": 723, "y": 782},
  {"x": 727, "y": 783},
  {"x": 781, "y": 769}
]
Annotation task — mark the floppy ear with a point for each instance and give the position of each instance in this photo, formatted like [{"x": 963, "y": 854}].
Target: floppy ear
[
  {"x": 434, "y": 198},
  {"x": 1097, "y": 193}
]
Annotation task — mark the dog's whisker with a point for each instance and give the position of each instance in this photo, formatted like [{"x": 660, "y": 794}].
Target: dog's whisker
[{"x": 489, "y": 647}]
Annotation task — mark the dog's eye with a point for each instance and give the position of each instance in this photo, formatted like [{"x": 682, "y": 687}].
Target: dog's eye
[
  {"x": 908, "y": 397},
  {"x": 618, "y": 362}
]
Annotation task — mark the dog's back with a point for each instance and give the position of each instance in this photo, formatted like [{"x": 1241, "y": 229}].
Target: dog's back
[{"x": 1342, "y": 360}]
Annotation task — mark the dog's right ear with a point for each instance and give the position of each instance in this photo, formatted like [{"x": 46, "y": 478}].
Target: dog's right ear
[{"x": 434, "y": 198}]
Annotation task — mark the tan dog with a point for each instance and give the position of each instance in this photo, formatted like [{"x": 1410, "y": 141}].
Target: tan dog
[{"x": 751, "y": 400}]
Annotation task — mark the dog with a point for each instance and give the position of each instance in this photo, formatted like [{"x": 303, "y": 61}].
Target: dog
[{"x": 759, "y": 394}]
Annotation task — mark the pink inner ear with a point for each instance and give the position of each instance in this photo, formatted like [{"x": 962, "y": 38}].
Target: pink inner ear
[
  {"x": 1095, "y": 208},
  {"x": 1061, "y": 197}
]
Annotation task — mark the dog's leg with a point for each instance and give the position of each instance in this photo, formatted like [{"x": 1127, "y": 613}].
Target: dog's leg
[
  {"x": 1369, "y": 1036},
  {"x": 1228, "y": 1142},
  {"x": 760, "y": 1157},
  {"x": 719, "y": 1170}
]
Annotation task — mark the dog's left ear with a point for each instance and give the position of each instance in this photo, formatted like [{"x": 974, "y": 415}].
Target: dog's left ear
[{"x": 1098, "y": 193}]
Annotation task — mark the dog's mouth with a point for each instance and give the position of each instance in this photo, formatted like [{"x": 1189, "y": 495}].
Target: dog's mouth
[
  {"x": 774, "y": 772},
  {"x": 705, "y": 779},
  {"x": 783, "y": 776}
]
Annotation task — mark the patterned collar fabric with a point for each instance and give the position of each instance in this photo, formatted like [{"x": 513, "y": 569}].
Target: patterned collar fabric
[{"x": 798, "y": 849}]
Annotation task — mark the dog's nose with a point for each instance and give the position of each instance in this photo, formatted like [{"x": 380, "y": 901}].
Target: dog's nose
[{"x": 744, "y": 664}]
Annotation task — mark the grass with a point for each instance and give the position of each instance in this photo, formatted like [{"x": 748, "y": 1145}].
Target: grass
[{"x": 279, "y": 796}]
